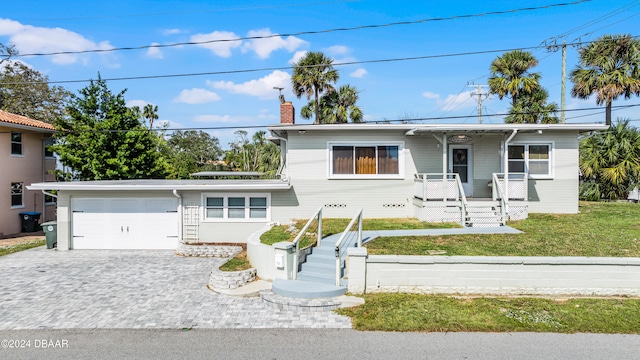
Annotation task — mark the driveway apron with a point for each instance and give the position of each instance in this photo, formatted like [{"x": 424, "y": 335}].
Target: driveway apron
[{"x": 130, "y": 289}]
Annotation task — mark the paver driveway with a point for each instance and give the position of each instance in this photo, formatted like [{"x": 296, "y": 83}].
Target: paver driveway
[{"x": 49, "y": 289}]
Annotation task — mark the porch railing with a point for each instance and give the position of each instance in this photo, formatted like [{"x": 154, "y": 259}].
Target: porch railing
[
  {"x": 317, "y": 215},
  {"x": 438, "y": 186},
  {"x": 518, "y": 186},
  {"x": 497, "y": 195},
  {"x": 343, "y": 243}
]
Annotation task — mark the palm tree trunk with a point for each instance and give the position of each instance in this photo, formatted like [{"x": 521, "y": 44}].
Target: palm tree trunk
[
  {"x": 608, "y": 113},
  {"x": 317, "y": 107}
]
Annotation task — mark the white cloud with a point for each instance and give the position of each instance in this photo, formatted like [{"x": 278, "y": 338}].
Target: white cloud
[
  {"x": 459, "y": 101},
  {"x": 430, "y": 95},
  {"x": 154, "y": 52},
  {"x": 360, "y": 72},
  {"x": 224, "y": 119},
  {"x": 33, "y": 39},
  {"x": 221, "y": 48},
  {"x": 264, "y": 47},
  {"x": 336, "y": 50},
  {"x": 196, "y": 96},
  {"x": 138, "y": 103},
  {"x": 297, "y": 56},
  {"x": 262, "y": 88},
  {"x": 166, "y": 32}
]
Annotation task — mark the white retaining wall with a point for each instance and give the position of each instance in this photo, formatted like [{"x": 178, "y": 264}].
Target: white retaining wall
[
  {"x": 261, "y": 256},
  {"x": 493, "y": 275}
]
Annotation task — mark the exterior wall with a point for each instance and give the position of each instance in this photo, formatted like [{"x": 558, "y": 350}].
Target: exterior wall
[
  {"x": 494, "y": 275},
  {"x": 28, "y": 168}
]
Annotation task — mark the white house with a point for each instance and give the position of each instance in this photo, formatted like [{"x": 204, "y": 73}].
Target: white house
[{"x": 477, "y": 175}]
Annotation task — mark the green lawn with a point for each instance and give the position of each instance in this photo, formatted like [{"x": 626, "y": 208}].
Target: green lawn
[
  {"x": 600, "y": 229},
  {"x": 431, "y": 313},
  {"x": 20, "y": 247}
]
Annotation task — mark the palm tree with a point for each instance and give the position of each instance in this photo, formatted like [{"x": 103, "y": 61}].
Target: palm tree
[
  {"x": 337, "y": 107},
  {"x": 609, "y": 67},
  {"x": 532, "y": 108},
  {"x": 610, "y": 163},
  {"x": 150, "y": 112},
  {"x": 312, "y": 76},
  {"x": 510, "y": 75}
]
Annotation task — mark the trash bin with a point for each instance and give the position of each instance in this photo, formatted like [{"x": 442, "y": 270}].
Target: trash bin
[
  {"x": 30, "y": 221},
  {"x": 51, "y": 232}
]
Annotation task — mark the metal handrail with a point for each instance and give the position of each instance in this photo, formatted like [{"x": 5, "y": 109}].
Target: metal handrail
[
  {"x": 463, "y": 200},
  {"x": 503, "y": 201},
  {"x": 317, "y": 214},
  {"x": 338, "y": 244}
]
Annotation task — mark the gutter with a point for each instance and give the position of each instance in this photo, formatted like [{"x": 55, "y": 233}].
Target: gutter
[{"x": 180, "y": 219}]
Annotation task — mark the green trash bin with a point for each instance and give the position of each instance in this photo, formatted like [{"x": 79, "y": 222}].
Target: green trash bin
[{"x": 50, "y": 231}]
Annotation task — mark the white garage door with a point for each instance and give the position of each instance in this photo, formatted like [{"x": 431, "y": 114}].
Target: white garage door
[{"x": 125, "y": 223}]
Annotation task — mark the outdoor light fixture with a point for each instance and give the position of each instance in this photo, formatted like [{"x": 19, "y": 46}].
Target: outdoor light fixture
[{"x": 459, "y": 139}]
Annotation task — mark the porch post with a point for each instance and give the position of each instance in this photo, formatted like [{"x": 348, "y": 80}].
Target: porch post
[
  {"x": 506, "y": 168},
  {"x": 444, "y": 166}
]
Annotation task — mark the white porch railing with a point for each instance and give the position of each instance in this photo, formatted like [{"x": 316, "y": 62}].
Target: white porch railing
[
  {"x": 518, "y": 186},
  {"x": 317, "y": 215},
  {"x": 438, "y": 186},
  {"x": 343, "y": 243}
]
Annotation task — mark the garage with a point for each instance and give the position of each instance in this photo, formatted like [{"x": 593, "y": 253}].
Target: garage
[{"x": 124, "y": 223}]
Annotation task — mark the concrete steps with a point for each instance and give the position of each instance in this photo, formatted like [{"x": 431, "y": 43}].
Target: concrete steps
[{"x": 483, "y": 214}]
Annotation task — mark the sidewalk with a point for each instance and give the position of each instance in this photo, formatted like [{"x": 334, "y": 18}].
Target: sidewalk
[{"x": 21, "y": 238}]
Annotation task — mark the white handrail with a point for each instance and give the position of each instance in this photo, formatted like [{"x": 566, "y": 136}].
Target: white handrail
[
  {"x": 338, "y": 244},
  {"x": 503, "y": 201},
  {"x": 463, "y": 200},
  {"x": 317, "y": 214}
]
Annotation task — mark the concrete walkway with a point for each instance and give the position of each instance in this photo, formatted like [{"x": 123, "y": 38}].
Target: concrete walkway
[{"x": 130, "y": 289}]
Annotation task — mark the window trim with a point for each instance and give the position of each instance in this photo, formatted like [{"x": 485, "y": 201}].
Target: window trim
[
  {"x": 526, "y": 144},
  {"x": 21, "y": 206},
  {"x": 225, "y": 208},
  {"x": 399, "y": 144},
  {"x": 50, "y": 142},
  {"x": 21, "y": 143}
]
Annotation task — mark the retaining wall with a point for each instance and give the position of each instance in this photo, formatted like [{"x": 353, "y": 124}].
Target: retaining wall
[{"x": 589, "y": 276}]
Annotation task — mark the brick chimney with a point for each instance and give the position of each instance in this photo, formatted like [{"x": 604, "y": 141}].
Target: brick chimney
[{"x": 287, "y": 113}]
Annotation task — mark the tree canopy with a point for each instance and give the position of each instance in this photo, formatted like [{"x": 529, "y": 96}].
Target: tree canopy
[
  {"x": 337, "y": 107},
  {"x": 259, "y": 154},
  {"x": 102, "y": 139},
  {"x": 609, "y": 67},
  {"x": 312, "y": 76},
  {"x": 192, "y": 151}
]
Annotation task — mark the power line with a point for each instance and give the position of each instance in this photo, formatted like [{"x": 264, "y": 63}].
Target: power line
[
  {"x": 224, "y": 72},
  {"x": 313, "y": 32}
]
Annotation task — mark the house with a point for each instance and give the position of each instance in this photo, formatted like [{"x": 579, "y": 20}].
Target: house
[
  {"x": 24, "y": 159},
  {"x": 477, "y": 175}
]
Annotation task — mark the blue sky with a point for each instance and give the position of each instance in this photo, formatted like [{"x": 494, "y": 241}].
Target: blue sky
[{"x": 424, "y": 88}]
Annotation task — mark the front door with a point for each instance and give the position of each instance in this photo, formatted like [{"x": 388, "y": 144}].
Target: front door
[{"x": 461, "y": 162}]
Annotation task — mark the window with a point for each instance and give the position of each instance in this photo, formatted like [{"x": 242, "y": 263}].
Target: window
[
  {"x": 534, "y": 159},
  {"x": 48, "y": 141},
  {"x": 16, "y": 143},
  {"x": 236, "y": 207},
  {"x": 16, "y": 195},
  {"x": 366, "y": 160},
  {"x": 49, "y": 200}
]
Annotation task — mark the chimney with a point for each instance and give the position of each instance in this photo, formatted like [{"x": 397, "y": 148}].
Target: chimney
[{"x": 287, "y": 113}]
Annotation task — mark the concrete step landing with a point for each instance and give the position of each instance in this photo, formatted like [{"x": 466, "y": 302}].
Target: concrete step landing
[
  {"x": 306, "y": 289},
  {"x": 308, "y": 305}
]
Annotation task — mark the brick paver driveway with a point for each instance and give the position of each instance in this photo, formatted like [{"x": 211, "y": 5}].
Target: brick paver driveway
[{"x": 48, "y": 289}]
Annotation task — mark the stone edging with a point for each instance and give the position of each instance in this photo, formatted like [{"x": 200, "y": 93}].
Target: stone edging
[
  {"x": 208, "y": 250},
  {"x": 224, "y": 280},
  {"x": 307, "y": 305}
]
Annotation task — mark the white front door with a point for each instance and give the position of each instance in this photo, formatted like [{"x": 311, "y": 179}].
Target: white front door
[{"x": 461, "y": 162}]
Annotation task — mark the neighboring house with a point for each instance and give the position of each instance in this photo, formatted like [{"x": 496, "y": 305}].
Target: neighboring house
[
  {"x": 24, "y": 159},
  {"x": 491, "y": 172}
]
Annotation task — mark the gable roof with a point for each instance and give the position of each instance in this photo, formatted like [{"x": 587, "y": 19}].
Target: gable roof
[{"x": 19, "y": 121}]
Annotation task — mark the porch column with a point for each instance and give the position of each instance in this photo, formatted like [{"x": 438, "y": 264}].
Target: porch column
[
  {"x": 444, "y": 166},
  {"x": 506, "y": 167}
]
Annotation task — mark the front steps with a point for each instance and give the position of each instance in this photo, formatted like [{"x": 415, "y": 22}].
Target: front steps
[{"x": 483, "y": 214}]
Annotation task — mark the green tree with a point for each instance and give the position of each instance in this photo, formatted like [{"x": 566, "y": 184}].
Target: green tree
[
  {"x": 610, "y": 163},
  {"x": 609, "y": 67},
  {"x": 102, "y": 139},
  {"x": 532, "y": 108},
  {"x": 312, "y": 76},
  {"x": 7, "y": 51},
  {"x": 25, "y": 91},
  {"x": 337, "y": 107},
  {"x": 150, "y": 113},
  {"x": 259, "y": 154},
  {"x": 511, "y": 76},
  {"x": 192, "y": 151}
]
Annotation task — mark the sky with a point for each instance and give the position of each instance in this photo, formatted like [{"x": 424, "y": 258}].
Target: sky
[{"x": 424, "y": 64}]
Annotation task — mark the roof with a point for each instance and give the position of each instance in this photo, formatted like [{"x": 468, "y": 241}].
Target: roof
[
  {"x": 415, "y": 128},
  {"x": 9, "y": 119},
  {"x": 161, "y": 184}
]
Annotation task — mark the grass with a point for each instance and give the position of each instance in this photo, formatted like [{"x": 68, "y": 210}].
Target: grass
[
  {"x": 600, "y": 229},
  {"x": 238, "y": 263},
  {"x": 332, "y": 226},
  {"x": 431, "y": 313},
  {"x": 20, "y": 247}
]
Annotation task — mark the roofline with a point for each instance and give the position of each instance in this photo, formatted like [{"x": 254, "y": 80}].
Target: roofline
[
  {"x": 80, "y": 186},
  {"x": 26, "y": 127},
  {"x": 440, "y": 127}
]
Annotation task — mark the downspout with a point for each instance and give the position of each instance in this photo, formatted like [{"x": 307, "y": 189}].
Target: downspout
[
  {"x": 283, "y": 157},
  {"x": 180, "y": 219},
  {"x": 505, "y": 159}
]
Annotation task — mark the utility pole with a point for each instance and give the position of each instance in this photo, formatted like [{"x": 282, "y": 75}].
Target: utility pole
[
  {"x": 563, "y": 94},
  {"x": 480, "y": 96}
]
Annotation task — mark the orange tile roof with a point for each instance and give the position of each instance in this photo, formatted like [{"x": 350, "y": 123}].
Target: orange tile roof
[{"x": 7, "y": 117}]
